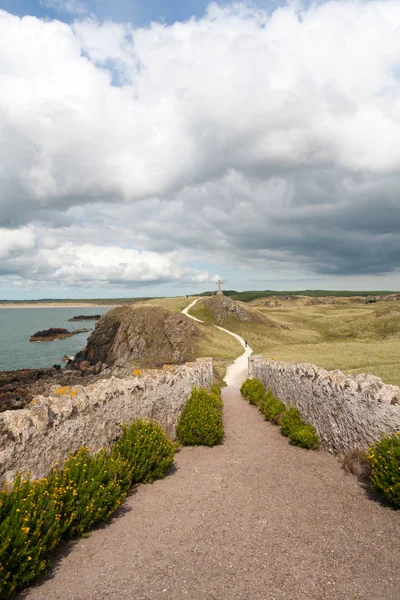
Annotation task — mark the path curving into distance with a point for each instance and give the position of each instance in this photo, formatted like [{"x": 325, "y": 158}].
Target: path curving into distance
[
  {"x": 252, "y": 519},
  {"x": 237, "y": 372}
]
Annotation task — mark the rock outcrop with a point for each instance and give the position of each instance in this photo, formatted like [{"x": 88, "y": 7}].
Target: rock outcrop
[
  {"x": 148, "y": 335},
  {"x": 224, "y": 308},
  {"x": 348, "y": 411},
  {"x": 54, "y": 333}
]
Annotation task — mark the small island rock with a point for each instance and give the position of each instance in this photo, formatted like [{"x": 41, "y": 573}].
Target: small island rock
[
  {"x": 54, "y": 333},
  {"x": 85, "y": 318}
]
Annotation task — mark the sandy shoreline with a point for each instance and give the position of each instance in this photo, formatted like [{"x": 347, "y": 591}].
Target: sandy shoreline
[{"x": 56, "y": 305}]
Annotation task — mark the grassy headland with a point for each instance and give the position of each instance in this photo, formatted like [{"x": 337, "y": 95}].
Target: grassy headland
[{"x": 348, "y": 335}]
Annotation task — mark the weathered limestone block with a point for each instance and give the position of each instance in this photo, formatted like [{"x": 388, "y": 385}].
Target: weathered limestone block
[
  {"x": 349, "y": 412},
  {"x": 35, "y": 438}
]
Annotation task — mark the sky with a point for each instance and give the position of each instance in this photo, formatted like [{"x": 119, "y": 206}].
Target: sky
[{"x": 150, "y": 148}]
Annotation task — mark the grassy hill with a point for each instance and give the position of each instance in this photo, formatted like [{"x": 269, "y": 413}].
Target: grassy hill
[{"x": 347, "y": 335}]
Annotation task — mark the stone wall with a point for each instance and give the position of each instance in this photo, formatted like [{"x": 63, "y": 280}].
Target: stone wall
[
  {"x": 349, "y": 412},
  {"x": 35, "y": 438}
]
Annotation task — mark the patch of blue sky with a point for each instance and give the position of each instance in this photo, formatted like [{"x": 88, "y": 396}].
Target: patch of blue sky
[{"x": 137, "y": 12}]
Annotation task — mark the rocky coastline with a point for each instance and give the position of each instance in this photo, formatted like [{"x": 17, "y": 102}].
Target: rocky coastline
[
  {"x": 125, "y": 338},
  {"x": 18, "y": 388}
]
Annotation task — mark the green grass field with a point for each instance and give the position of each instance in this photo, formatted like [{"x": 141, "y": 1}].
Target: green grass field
[{"x": 350, "y": 335}]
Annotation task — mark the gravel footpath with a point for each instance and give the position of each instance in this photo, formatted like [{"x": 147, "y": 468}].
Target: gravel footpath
[{"x": 254, "y": 518}]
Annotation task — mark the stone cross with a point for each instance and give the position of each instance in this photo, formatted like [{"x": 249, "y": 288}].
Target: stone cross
[{"x": 219, "y": 283}]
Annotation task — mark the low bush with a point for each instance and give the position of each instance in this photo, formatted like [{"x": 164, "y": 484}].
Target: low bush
[
  {"x": 201, "y": 422},
  {"x": 216, "y": 390},
  {"x": 36, "y": 515},
  {"x": 89, "y": 488},
  {"x": 291, "y": 420},
  {"x": 30, "y": 529},
  {"x": 147, "y": 449},
  {"x": 253, "y": 391},
  {"x": 384, "y": 458},
  {"x": 305, "y": 436},
  {"x": 272, "y": 408}
]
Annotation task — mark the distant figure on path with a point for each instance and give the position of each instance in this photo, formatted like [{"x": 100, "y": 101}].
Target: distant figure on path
[{"x": 245, "y": 344}]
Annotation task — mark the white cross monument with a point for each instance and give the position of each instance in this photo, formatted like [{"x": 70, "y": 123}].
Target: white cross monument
[{"x": 219, "y": 283}]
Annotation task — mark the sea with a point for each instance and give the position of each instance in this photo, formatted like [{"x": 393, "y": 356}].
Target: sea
[{"x": 18, "y": 324}]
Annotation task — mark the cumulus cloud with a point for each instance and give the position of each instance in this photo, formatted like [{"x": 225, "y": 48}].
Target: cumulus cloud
[
  {"x": 87, "y": 264},
  {"x": 270, "y": 141},
  {"x": 16, "y": 241}
]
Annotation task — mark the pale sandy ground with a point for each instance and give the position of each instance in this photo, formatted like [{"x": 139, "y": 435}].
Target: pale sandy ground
[
  {"x": 56, "y": 305},
  {"x": 252, "y": 519}
]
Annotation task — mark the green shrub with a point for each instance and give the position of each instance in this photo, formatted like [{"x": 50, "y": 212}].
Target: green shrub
[
  {"x": 89, "y": 489},
  {"x": 384, "y": 458},
  {"x": 201, "y": 422},
  {"x": 216, "y": 390},
  {"x": 147, "y": 449},
  {"x": 291, "y": 420},
  {"x": 35, "y": 515},
  {"x": 305, "y": 436},
  {"x": 30, "y": 529},
  {"x": 253, "y": 391},
  {"x": 271, "y": 407}
]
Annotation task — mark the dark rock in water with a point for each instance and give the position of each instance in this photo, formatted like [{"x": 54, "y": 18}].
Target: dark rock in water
[
  {"x": 148, "y": 335},
  {"x": 85, "y": 318},
  {"x": 54, "y": 333}
]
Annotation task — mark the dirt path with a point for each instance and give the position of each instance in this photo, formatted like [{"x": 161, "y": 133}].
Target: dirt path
[
  {"x": 237, "y": 371},
  {"x": 254, "y": 518}
]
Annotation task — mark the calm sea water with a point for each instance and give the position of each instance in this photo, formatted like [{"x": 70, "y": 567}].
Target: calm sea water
[{"x": 18, "y": 324}]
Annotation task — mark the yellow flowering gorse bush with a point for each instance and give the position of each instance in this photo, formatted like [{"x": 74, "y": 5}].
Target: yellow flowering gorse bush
[
  {"x": 86, "y": 489},
  {"x": 201, "y": 422},
  {"x": 384, "y": 459}
]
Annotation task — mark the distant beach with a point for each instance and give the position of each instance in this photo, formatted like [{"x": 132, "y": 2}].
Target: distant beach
[{"x": 55, "y": 305}]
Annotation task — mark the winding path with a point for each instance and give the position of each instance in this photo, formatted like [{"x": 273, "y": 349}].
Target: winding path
[
  {"x": 252, "y": 519},
  {"x": 237, "y": 371}
]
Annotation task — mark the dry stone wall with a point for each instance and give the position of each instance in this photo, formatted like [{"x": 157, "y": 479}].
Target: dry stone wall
[
  {"x": 35, "y": 438},
  {"x": 349, "y": 412}
]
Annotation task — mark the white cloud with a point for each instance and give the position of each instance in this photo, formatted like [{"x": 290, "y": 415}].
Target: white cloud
[
  {"x": 16, "y": 241},
  {"x": 266, "y": 140},
  {"x": 205, "y": 95},
  {"x": 88, "y": 264}
]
